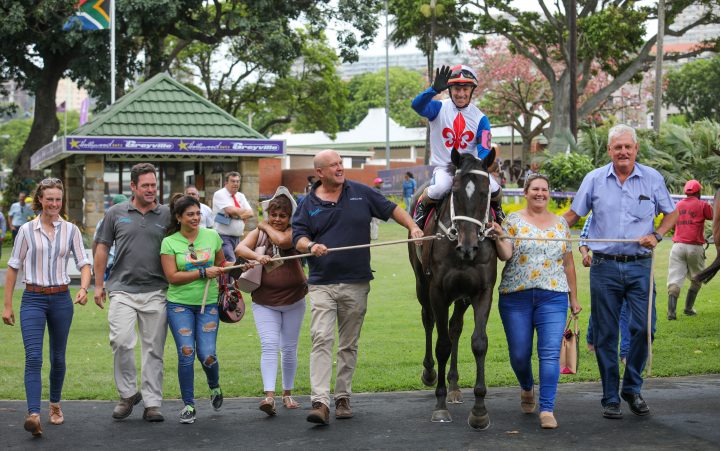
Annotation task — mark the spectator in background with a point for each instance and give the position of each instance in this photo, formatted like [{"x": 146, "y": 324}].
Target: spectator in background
[
  {"x": 230, "y": 211},
  {"x": 207, "y": 217},
  {"x": 310, "y": 182},
  {"x": 375, "y": 222},
  {"x": 19, "y": 213},
  {"x": 3, "y": 231},
  {"x": 687, "y": 257},
  {"x": 409, "y": 186},
  {"x": 114, "y": 200}
]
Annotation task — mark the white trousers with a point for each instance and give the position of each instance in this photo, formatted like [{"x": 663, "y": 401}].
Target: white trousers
[
  {"x": 441, "y": 183},
  {"x": 279, "y": 329},
  {"x": 149, "y": 312}
]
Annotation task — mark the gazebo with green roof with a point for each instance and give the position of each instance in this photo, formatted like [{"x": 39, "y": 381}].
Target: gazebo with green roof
[{"x": 188, "y": 138}]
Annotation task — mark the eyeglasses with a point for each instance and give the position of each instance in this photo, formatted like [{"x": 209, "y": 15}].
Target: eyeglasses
[
  {"x": 51, "y": 181},
  {"x": 191, "y": 248}
]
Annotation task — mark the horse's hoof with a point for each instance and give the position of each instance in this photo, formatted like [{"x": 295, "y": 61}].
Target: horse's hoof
[
  {"x": 429, "y": 378},
  {"x": 441, "y": 416},
  {"x": 479, "y": 423},
  {"x": 454, "y": 397}
]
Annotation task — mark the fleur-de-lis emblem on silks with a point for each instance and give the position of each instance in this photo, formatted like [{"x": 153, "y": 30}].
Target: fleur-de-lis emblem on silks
[{"x": 457, "y": 137}]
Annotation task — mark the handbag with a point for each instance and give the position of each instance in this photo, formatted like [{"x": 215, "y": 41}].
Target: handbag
[
  {"x": 231, "y": 305},
  {"x": 570, "y": 348},
  {"x": 223, "y": 219},
  {"x": 250, "y": 280}
]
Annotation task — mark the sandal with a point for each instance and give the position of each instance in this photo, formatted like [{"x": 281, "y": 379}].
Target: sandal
[
  {"x": 267, "y": 405},
  {"x": 290, "y": 403}
]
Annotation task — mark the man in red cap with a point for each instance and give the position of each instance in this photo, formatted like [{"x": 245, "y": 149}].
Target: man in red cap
[{"x": 687, "y": 257}]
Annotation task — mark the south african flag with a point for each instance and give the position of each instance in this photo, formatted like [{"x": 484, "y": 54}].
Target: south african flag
[{"x": 91, "y": 15}]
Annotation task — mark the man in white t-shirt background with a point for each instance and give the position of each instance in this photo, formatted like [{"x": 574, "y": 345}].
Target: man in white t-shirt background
[
  {"x": 230, "y": 211},
  {"x": 206, "y": 220}
]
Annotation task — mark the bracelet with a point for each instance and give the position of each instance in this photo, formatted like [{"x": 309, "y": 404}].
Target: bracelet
[
  {"x": 202, "y": 273},
  {"x": 83, "y": 288}
]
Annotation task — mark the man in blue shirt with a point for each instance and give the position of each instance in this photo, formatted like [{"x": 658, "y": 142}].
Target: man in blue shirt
[
  {"x": 625, "y": 197},
  {"x": 337, "y": 212}
]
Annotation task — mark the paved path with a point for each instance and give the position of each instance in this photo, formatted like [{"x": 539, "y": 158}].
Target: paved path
[{"x": 684, "y": 416}]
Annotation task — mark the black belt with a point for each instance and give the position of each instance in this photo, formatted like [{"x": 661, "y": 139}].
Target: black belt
[{"x": 622, "y": 258}]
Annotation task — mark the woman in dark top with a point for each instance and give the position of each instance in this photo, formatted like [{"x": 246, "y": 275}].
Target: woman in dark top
[{"x": 279, "y": 303}]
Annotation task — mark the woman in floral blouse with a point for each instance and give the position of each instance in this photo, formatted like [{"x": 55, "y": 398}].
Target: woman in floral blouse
[{"x": 537, "y": 281}]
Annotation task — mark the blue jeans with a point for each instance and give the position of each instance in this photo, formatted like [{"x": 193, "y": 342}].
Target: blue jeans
[
  {"x": 624, "y": 331},
  {"x": 228, "y": 247},
  {"x": 194, "y": 333},
  {"x": 522, "y": 313},
  {"x": 408, "y": 204},
  {"x": 36, "y": 310},
  {"x": 612, "y": 282}
]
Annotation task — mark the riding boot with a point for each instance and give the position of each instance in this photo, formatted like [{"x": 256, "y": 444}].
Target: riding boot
[
  {"x": 422, "y": 208},
  {"x": 690, "y": 301},
  {"x": 672, "y": 305},
  {"x": 496, "y": 205}
]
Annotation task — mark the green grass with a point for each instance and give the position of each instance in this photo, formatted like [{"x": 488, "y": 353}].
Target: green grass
[{"x": 391, "y": 344}]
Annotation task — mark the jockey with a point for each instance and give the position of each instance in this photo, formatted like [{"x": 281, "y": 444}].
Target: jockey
[{"x": 454, "y": 122}]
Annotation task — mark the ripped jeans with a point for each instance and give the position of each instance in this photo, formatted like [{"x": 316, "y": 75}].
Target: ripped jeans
[{"x": 195, "y": 333}]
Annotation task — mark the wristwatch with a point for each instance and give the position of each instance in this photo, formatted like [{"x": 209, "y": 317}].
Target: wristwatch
[
  {"x": 310, "y": 246},
  {"x": 657, "y": 236}
]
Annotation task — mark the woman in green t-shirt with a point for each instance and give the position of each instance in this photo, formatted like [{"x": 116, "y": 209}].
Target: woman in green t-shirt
[{"x": 190, "y": 254}]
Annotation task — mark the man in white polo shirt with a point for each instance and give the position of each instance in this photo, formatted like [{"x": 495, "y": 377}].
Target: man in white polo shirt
[{"x": 230, "y": 211}]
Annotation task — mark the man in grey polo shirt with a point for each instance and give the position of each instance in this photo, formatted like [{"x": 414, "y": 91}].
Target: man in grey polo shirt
[{"x": 136, "y": 289}]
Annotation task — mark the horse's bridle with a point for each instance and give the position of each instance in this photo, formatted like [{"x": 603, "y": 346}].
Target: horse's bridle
[{"x": 451, "y": 232}]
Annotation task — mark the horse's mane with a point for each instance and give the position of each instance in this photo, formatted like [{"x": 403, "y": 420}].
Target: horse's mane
[{"x": 465, "y": 165}]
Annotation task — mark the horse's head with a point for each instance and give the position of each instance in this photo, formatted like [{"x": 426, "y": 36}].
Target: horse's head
[{"x": 470, "y": 201}]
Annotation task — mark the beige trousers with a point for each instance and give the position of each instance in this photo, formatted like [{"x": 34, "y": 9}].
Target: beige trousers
[
  {"x": 149, "y": 311},
  {"x": 686, "y": 260},
  {"x": 345, "y": 303}
]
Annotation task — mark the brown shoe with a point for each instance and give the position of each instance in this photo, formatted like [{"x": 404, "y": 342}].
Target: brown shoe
[
  {"x": 56, "y": 415},
  {"x": 319, "y": 414},
  {"x": 547, "y": 420},
  {"x": 124, "y": 408},
  {"x": 527, "y": 400},
  {"x": 32, "y": 424},
  {"x": 342, "y": 409},
  {"x": 153, "y": 415}
]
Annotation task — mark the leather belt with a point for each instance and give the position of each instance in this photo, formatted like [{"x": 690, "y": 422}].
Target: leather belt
[
  {"x": 622, "y": 258},
  {"x": 46, "y": 290}
]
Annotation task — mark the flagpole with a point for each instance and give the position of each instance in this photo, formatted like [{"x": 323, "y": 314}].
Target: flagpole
[
  {"x": 112, "y": 52},
  {"x": 67, "y": 103}
]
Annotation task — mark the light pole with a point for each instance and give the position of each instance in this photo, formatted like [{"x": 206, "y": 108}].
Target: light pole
[
  {"x": 658, "y": 66},
  {"x": 387, "y": 91}
]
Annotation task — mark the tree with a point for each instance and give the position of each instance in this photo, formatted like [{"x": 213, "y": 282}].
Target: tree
[
  {"x": 367, "y": 91},
  {"x": 610, "y": 37},
  {"x": 693, "y": 88},
  {"x": 36, "y": 52},
  {"x": 566, "y": 170}
]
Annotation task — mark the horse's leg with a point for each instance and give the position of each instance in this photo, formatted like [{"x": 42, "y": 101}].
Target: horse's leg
[
  {"x": 456, "y": 326},
  {"x": 479, "y": 417},
  {"x": 429, "y": 376},
  {"x": 442, "y": 354}
]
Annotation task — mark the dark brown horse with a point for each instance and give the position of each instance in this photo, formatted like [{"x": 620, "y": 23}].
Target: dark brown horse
[{"x": 460, "y": 268}]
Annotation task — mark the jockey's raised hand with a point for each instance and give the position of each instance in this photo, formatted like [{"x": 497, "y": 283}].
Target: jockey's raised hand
[{"x": 442, "y": 76}]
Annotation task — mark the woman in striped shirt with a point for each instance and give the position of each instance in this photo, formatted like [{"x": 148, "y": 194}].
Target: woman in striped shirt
[{"x": 42, "y": 249}]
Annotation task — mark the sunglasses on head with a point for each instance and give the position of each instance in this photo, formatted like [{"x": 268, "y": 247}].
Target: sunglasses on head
[
  {"x": 191, "y": 248},
  {"x": 51, "y": 181}
]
